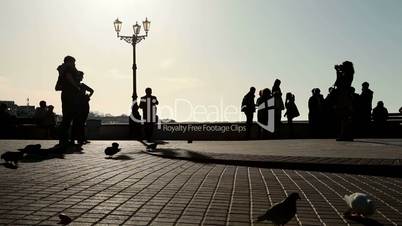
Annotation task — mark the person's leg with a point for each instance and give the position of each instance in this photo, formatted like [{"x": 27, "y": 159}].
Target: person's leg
[
  {"x": 81, "y": 120},
  {"x": 66, "y": 120},
  {"x": 278, "y": 116},
  {"x": 84, "y": 135},
  {"x": 78, "y": 128},
  {"x": 290, "y": 126},
  {"x": 148, "y": 129},
  {"x": 75, "y": 130},
  {"x": 151, "y": 131},
  {"x": 249, "y": 123}
]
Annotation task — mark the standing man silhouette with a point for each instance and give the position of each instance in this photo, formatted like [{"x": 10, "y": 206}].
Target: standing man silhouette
[
  {"x": 279, "y": 105},
  {"x": 83, "y": 110},
  {"x": 148, "y": 105},
  {"x": 366, "y": 99},
  {"x": 248, "y": 107}
]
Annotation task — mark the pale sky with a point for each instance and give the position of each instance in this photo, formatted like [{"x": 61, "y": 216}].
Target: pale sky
[{"x": 204, "y": 52}]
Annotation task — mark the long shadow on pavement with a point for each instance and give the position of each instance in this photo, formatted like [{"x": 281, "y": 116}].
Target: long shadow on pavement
[
  {"x": 362, "y": 169},
  {"x": 121, "y": 157},
  {"x": 50, "y": 153}
]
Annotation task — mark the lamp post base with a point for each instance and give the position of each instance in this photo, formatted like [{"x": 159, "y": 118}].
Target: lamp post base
[{"x": 135, "y": 122}]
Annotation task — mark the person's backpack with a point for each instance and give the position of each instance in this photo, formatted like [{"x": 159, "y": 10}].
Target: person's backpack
[
  {"x": 59, "y": 83},
  {"x": 243, "y": 104}
]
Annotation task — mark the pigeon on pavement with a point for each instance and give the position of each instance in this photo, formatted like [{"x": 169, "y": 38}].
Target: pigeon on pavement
[
  {"x": 359, "y": 204},
  {"x": 152, "y": 147},
  {"x": 64, "y": 219},
  {"x": 281, "y": 213},
  {"x": 12, "y": 157},
  {"x": 110, "y": 151}
]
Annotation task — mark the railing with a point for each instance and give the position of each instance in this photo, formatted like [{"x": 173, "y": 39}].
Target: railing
[
  {"x": 395, "y": 117},
  {"x": 301, "y": 130}
]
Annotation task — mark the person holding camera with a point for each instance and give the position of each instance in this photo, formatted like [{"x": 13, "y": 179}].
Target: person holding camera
[
  {"x": 344, "y": 100},
  {"x": 344, "y": 75}
]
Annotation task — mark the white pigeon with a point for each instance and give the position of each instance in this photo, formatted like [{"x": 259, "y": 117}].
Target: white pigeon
[{"x": 359, "y": 204}]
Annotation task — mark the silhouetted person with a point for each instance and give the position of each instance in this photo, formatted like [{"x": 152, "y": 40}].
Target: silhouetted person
[
  {"x": 7, "y": 122},
  {"x": 69, "y": 96},
  {"x": 259, "y": 101},
  {"x": 279, "y": 106},
  {"x": 344, "y": 100},
  {"x": 316, "y": 111},
  {"x": 380, "y": 116},
  {"x": 40, "y": 114},
  {"x": 329, "y": 116},
  {"x": 291, "y": 111},
  {"x": 82, "y": 109},
  {"x": 262, "y": 110},
  {"x": 248, "y": 107},
  {"x": 365, "y": 106},
  {"x": 344, "y": 114},
  {"x": 344, "y": 75},
  {"x": 50, "y": 120},
  {"x": 148, "y": 105},
  {"x": 356, "y": 110},
  {"x": 400, "y": 110}
]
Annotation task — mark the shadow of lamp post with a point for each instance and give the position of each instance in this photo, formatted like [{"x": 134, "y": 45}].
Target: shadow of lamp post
[{"x": 133, "y": 40}]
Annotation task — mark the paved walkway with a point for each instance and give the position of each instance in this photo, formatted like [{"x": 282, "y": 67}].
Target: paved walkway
[
  {"x": 136, "y": 188},
  {"x": 360, "y": 148}
]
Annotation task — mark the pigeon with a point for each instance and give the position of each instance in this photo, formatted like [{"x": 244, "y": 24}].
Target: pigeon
[
  {"x": 32, "y": 149},
  {"x": 64, "y": 219},
  {"x": 14, "y": 157},
  {"x": 110, "y": 151},
  {"x": 151, "y": 147},
  {"x": 359, "y": 204},
  {"x": 281, "y": 213}
]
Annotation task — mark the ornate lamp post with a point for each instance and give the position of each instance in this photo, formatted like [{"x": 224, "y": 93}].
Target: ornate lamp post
[{"x": 133, "y": 40}]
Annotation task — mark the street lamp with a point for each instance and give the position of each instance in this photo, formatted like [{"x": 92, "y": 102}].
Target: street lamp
[{"x": 133, "y": 40}]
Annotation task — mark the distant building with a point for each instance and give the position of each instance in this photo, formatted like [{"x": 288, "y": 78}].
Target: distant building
[
  {"x": 19, "y": 111},
  {"x": 12, "y": 107},
  {"x": 25, "y": 111}
]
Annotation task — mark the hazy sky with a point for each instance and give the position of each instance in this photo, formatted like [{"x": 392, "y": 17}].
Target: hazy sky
[{"x": 206, "y": 53}]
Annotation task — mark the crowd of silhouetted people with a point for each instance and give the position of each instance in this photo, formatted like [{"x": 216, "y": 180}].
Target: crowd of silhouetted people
[
  {"x": 343, "y": 112},
  {"x": 44, "y": 116},
  {"x": 263, "y": 106}
]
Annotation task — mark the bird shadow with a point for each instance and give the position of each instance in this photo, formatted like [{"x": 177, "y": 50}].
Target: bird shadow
[
  {"x": 178, "y": 153},
  {"x": 121, "y": 157},
  {"x": 364, "y": 221}
]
